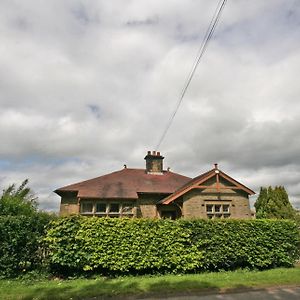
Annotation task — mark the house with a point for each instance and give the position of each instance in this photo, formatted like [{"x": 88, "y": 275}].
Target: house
[{"x": 157, "y": 193}]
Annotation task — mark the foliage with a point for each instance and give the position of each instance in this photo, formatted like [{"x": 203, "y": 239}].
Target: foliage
[
  {"x": 18, "y": 201},
  {"x": 258, "y": 244},
  {"x": 143, "y": 246},
  {"x": 144, "y": 286},
  {"x": 21, "y": 243},
  {"x": 22, "y": 229},
  {"x": 122, "y": 246},
  {"x": 274, "y": 204}
]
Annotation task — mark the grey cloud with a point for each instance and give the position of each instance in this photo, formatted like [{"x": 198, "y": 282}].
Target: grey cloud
[
  {"x": 149, "y": 21},
  {"x": 83, "y": 95}
]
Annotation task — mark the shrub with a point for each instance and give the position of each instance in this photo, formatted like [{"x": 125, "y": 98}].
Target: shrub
[
  {"x": 258, "y": 244},
  {"x": 145, "y": 246},
  {"x": 120, "y": 246},
  {"x": 16, "y": 201},
  {"x": 21, "y": 239}
]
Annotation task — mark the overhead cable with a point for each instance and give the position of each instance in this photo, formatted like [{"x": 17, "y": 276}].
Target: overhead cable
[{"x": 202, "y": 49}]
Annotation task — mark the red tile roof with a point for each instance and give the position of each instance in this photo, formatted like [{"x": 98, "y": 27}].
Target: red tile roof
[{"x": 126, "y": 184}]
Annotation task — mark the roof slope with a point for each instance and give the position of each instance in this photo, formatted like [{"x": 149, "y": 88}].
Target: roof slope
[{"x": 126, "y": 184}]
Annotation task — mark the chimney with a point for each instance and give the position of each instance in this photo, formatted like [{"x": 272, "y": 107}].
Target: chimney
[{"x": 154, "y": 163}]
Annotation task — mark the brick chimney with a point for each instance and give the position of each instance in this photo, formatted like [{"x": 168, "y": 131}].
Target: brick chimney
[{"x": 154, "y": 163}]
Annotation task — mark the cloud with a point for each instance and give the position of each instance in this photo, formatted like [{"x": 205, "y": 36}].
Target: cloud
[{"x": 87, "y": 86}]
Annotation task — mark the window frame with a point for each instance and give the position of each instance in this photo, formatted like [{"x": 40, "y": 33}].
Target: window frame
[
  {"x": 220, "y": 212},
  {"x": 107, "y": 212},
  {"x": 86, "y": 212}
]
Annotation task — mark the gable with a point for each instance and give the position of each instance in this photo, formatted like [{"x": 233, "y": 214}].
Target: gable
[{"x": 213, "y": 181}]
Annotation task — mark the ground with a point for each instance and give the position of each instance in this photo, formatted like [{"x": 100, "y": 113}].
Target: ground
[{"x": 139, "y": 287}]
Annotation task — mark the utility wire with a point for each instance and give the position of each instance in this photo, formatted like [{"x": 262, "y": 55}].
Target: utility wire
[{"x": 207, "y": 38}]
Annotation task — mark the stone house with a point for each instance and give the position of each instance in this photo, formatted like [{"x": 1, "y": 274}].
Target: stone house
[{"x": 157, "y": 193}]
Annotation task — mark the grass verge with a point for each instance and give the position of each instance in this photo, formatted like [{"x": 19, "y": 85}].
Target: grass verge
[{"x": 135, "y": 287}]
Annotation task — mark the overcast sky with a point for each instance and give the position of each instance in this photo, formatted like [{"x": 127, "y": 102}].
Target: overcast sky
[{"x": 87, "y": 86}]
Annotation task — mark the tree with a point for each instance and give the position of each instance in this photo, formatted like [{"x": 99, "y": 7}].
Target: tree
[
  {"x": 273, "y": 203},
  {"x": 18, "y": 201}
]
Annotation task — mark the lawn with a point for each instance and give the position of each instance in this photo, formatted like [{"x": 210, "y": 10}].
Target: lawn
[{"x": 134, "y": 287}]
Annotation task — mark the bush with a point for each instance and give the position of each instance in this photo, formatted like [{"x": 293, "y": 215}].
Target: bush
[
  {"x": 146, "y": 246},
  {"x": 21, "y": 243},
  {"x": 120, "y": 246},
  {"x": 253, "y": 244}
]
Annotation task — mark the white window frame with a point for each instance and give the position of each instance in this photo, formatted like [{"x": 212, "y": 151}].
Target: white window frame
[
  {"x": 120, "y": 213},
  {"x": 213, "y": 214}
]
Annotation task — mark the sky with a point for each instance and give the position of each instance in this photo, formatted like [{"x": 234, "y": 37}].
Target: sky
[{"x": 88, "y": 86}]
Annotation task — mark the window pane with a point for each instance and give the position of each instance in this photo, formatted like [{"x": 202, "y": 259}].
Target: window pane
[
  {"x": 209, "y": 208},
  {"x": 226, "y": 216},
  {"x": 101, "y": 207},
  {"x": 114, "y": 207},
  {"x": 127, "y": 208},
  {"x": 87, "y": 207},
  {"x": 226, "y": 208},
  {"x": 217, "y": 208}
]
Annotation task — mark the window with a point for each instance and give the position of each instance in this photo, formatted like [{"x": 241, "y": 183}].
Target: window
[
  {"x": 209, "y": 208},
  {"x": 217, "y": 211},
  {"x": 225, "y": 208},
  {"x": 114, "y": 208},
  {"x": 86, "y": 207},
  {"x": 100, "y": 207},
  {"x": 127, "y": 208},
  {"x": 217, "y": 208}
]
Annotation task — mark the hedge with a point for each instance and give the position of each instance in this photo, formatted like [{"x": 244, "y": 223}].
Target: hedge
[
  {"x": 146, "y": 246},
  {"x": 21, "y": 243}
]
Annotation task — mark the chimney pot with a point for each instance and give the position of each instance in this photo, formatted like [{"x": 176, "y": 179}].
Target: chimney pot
[
  {"x": 149, "y": 152},
  {"x": 158, "y": 153},
  {"x": 153, "y": 152},
  {"x": 216, "y": 166}
]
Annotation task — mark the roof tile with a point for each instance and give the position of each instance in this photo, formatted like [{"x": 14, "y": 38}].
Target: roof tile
[{"x": 126, "y": 184}]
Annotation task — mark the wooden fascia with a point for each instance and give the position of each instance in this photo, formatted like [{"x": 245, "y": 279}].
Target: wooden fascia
[
  {"x": 237, "y": 184},
  {"x": 218, "y": 182},
  {"x": 196, "y": 185},
  {"x": 187, "y": 189},
  {"x": 216, "y": 187}
]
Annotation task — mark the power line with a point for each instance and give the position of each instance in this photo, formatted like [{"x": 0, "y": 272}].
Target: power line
[{"x": 202, "y": 49}]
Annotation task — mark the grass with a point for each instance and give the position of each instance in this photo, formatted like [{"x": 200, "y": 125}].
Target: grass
[{"x": 134, "y": 287}]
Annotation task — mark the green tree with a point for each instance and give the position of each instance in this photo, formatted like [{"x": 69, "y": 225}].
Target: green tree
[
  {"x": 273, "y": 203},
  {"x": 17, "y": 201}
]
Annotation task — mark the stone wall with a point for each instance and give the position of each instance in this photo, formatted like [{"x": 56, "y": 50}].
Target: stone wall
[
  {"x": 195, "y": 204},
  {"x": 69, "y": 206},
  {"x": 147, "y": 205}
]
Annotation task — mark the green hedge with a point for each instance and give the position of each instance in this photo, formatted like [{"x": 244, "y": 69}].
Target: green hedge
[
  {"x": 20, "y": 243},
  {"x": 145, "y": 246}
]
